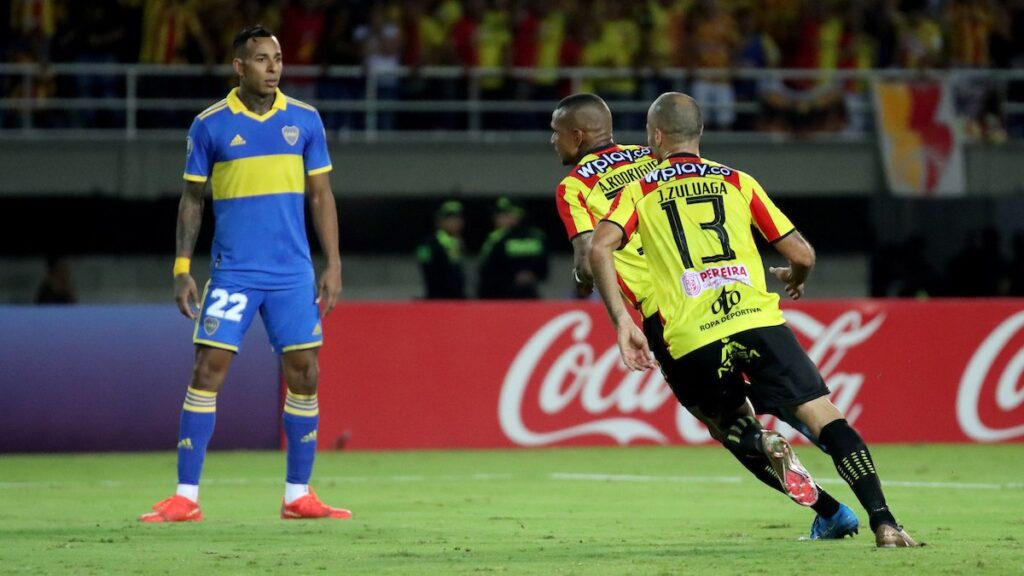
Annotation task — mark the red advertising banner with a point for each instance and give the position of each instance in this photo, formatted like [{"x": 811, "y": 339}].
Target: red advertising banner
[{"x": 482, "y": 375}]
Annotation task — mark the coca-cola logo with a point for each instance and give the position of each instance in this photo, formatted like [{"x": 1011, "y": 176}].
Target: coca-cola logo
[
  {"x": 578, "y": 375},
  {"x": 829, "y": 343},
  {"x": 580, "y": 380},
  {"x": 1009, "y": 394}
]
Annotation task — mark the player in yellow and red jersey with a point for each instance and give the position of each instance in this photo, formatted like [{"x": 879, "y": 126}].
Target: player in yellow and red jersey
[
  {"x": 582, "y": 136},
  {"x": 721, "y": 324}
]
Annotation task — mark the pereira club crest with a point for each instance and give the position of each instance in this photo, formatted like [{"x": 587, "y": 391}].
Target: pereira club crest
[{"x": 291, "y": 134}]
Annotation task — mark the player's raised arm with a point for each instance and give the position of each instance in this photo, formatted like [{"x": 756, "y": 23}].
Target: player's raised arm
[
  {"x": 633, "y": 346},
  {"x": 800, "y": 254},
  {"x": 190, "y": 219},
  {"x": 325, "y": 220}
]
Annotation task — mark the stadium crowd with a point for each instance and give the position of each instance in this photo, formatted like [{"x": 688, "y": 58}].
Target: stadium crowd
[{"x": 640, "y": 39}]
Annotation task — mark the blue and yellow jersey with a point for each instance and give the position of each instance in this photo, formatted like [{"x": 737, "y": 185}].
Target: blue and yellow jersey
[
  {"x": 696, "y": 217},
  {"x": 257, "y": 167}
]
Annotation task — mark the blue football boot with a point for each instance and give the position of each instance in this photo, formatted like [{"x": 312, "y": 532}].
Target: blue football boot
[{"x": 841, "y": 524}]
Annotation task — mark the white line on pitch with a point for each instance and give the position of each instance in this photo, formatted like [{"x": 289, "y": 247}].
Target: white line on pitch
[
  {"x": 737, "y": 479},
  {"x": 570, "y": 476},
  {"x": 214, "y": 481},
  {"x": 640, "y": 478},
  {"x": 949, "y": 485}
]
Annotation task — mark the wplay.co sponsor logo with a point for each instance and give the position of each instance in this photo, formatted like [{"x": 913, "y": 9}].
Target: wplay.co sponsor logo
[
  {"x": 609, "y": 159},
  {"x": 686, "y": 169}
]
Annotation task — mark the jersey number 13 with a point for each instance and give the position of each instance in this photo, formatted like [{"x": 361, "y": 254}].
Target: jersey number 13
[{"x": 717, "y": 225}]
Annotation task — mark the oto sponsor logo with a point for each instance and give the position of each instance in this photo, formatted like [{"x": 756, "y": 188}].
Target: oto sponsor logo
[
  {"x": 627, "y": 406},
  {"x": 725, "y": 302},
  {"x": 1007, "y": 396},
  {"x": 606, "y": 160},
  {"x": 686, "y": 169}
]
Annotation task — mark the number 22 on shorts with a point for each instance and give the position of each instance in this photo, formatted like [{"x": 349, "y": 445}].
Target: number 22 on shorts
[{"x": 222, "y": 299}]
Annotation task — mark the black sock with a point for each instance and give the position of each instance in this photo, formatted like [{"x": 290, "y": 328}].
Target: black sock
[
  {"x": 744, "y": 436},
  {"x": 758, "y": 466},
  {"x": 855, "y": 466},
  {"x": 826, "y": 506},
  {"x": 762, "y": 470}
]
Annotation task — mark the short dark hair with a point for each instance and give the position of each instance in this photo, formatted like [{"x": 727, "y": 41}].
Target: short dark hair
[
  {"x": 243, "y": 37},
  {"x": 575, "y": 101}
]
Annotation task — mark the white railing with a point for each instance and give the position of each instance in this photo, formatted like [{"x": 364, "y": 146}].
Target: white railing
[{"x": 25, "y": 114}]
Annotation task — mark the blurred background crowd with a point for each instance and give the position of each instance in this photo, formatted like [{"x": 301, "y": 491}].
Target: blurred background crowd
[
  {"x": 522, "y": 42},
  {"x": 779, "y": 81}
]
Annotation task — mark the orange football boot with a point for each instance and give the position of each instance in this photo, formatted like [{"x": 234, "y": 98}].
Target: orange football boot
[
  {"x": 309, "y": 506},
  {"x": 174, "y": 509}
]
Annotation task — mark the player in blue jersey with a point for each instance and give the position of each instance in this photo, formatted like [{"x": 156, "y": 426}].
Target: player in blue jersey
[{"x": 263, "y": 154}]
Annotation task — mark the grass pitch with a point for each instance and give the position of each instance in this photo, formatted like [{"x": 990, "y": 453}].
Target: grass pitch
[{"x": 649, "y": 510}]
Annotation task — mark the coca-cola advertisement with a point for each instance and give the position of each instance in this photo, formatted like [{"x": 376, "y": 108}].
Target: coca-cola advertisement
[{"x": 485, "y": 375}]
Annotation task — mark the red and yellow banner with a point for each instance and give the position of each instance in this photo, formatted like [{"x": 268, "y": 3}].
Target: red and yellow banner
[{"x": 921, "y": 150}]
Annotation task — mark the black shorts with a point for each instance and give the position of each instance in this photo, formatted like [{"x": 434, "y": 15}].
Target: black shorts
[
  {"x": 655, "y": 333},
  {"x": 724, "y": 396},
  {"x": 714, "y": 377}
]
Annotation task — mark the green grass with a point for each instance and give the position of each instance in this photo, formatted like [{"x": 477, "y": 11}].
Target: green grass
[{"x": 486, "y": 512}]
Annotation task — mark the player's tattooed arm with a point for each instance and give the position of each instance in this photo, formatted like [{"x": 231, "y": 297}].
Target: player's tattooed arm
[
  {"x": 190, "y": 218},
  {"x": 633, "y": 347},
  {"x": 581, "y": 262},
  {"x": 795, "y": 248}
]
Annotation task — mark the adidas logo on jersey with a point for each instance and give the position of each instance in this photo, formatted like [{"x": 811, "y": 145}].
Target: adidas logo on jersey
[
  {"x": 317, "y": 331},
  {"x": 238, "y": 140}
]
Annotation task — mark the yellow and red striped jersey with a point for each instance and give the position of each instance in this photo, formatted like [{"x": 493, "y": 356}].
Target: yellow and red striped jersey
[
  {"x": 586, "y": 194},
  {"x": 695, "y": 218}
]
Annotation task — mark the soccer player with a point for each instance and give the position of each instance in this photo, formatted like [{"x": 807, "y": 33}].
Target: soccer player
[
  {"x": 263, "y": 153},
  {"x": 720, "y": 321},
  {"x": 581, "y": 126}
]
